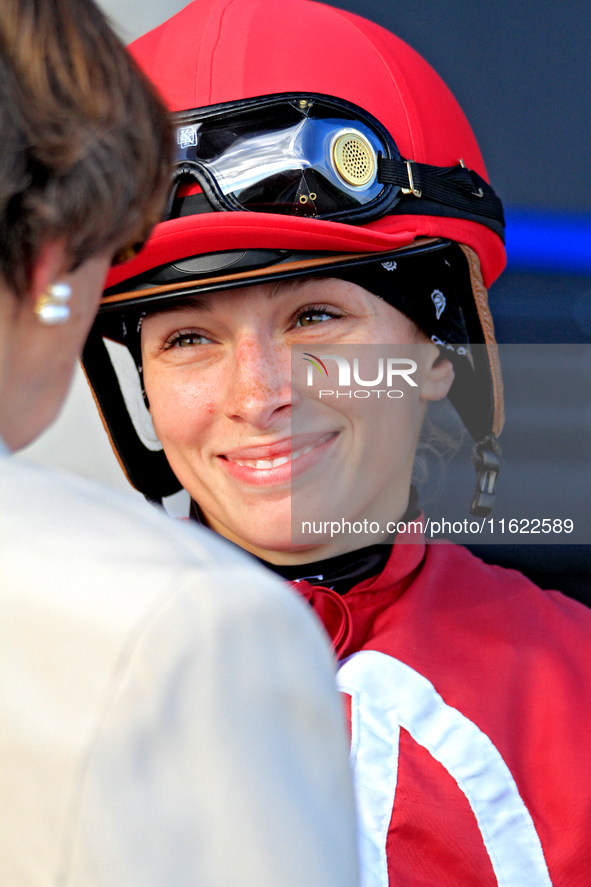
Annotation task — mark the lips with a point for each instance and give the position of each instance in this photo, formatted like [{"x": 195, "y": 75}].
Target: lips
[
  {"x": 266, "y": 464},
  {"x": 266, "y": 456},
  {"x": 273, "y": 463}
]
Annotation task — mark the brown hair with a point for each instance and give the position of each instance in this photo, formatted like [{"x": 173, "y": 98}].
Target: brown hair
[{"x": 85, "y": 143}]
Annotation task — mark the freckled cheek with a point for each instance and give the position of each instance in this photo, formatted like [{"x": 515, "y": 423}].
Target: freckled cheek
[
  {"x": 380, "y": 423},
  {"x": 183, "y": 408}
]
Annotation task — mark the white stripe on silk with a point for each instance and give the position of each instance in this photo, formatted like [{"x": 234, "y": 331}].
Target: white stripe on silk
[
  {"x": 387, "y": 695},
  {"x": 374, "y": 761}
]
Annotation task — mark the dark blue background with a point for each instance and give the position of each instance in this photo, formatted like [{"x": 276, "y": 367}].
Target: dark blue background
[{"x": 522, "y": 73}]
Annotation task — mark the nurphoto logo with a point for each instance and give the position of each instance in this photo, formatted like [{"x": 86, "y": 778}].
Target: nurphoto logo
[{"x": 388, "y": 371}]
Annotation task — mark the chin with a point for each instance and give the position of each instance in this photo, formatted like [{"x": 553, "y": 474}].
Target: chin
[
  {"x": 253, "y": 527},
  {"x": 274, "y": 539}
]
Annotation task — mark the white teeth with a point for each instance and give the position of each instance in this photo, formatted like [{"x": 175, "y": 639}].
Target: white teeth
[
  {"x": 281, "y": 461},
  {"x": 266, "y": 464}
]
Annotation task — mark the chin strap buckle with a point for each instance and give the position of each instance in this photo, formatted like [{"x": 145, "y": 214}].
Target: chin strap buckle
[{"x": 485, "y": 457}]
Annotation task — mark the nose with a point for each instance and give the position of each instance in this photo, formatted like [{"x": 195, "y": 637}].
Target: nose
[{"x": 260, "y": 385}]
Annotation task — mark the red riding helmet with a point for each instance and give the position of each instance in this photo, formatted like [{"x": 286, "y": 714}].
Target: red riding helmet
[{"x": 310, "y": 140}]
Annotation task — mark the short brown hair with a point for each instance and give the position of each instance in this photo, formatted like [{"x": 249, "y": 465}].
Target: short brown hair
[{"x": 85, "y": 143}]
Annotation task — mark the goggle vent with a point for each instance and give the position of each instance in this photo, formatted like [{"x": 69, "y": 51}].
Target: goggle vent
[{"x": 354, "y": 158}]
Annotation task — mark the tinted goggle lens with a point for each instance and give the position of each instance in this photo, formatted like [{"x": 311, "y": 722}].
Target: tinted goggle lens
[{"x": 293, "y": 155}]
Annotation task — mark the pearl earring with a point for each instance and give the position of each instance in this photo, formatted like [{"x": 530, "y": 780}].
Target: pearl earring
[{"x": 51, "y": 307}]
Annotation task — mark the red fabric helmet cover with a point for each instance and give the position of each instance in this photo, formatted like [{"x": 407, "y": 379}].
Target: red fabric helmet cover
[{"x": 222, "y": 50}]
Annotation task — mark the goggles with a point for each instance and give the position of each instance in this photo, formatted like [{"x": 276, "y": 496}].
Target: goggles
[{"x": 314, "y": 156}]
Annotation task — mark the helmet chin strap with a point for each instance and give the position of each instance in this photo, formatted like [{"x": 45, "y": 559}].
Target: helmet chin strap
[{"x": 486, "y": 461}]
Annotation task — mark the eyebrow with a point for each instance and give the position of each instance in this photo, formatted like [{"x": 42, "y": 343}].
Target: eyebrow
[
  {"x": 199, "y": 303},
  {"x": 287, "y": 285}
]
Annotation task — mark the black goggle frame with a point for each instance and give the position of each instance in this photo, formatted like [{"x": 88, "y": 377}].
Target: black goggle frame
[{"x": 403, "y": 186}]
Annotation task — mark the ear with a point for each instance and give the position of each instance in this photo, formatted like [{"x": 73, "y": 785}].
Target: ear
[
  {"x": 51, "y": 264},
  {"x": 438, "y": 375}
]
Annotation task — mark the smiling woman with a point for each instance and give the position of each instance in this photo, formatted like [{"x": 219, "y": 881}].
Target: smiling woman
[
  {"x": 332, "y": 206},
  {"x": 218, "y": 379}
]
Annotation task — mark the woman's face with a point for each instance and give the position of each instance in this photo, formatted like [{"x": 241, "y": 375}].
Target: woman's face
[{"x": 254, "y": 447}]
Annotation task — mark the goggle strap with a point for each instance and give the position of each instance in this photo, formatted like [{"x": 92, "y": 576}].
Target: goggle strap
[{"x": 454, "y": 186}]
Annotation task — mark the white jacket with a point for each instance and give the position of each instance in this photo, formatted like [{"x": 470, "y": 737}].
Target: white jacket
[{"x": 168, "y": 714}]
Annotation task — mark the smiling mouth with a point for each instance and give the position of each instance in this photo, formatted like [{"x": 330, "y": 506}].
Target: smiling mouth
[{"x": 268, "y": 464}]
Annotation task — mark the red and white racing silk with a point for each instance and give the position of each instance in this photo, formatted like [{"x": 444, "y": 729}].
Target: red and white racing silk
[{"x": 470, "y": 698}]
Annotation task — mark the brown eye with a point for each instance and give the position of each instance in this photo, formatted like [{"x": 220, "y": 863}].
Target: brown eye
[
  {"x": 187, "y": 340},
  {"x": 308, "y": 318}
]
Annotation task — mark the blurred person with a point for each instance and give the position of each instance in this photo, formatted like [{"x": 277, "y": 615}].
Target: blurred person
[
  {"x": 330, "y": 209},
  {"x": 168, "y": 711}
]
